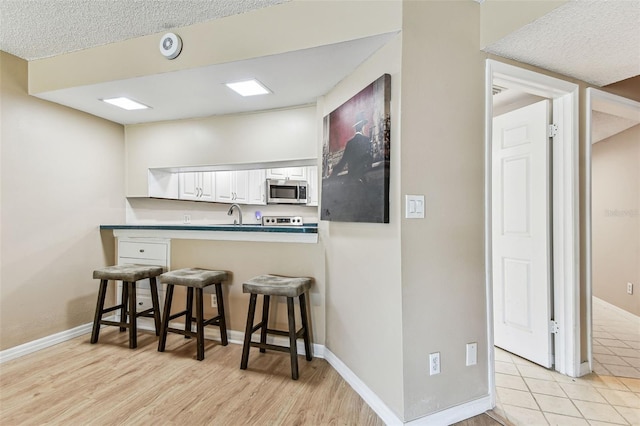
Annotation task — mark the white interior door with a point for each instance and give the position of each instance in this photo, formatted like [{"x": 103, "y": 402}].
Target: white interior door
[{"x": 521, "y": 233}]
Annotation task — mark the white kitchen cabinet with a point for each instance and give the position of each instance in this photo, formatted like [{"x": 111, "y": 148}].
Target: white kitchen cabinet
[
  {"x": 232, "y": 187},
  {"x": 257, "y": 187},
  {"x": 143, "y": 251},
  {"x": 197, "y": 186},
  {"x": 293, "y": 173},
  {"x": 312, "y": 186}
]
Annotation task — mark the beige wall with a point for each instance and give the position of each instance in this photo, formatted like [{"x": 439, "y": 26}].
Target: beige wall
[
  {"x": 616, "y": 219},
  {"x": 286, "y": 134},
  {"x": 443, "y": 282},
  {"x": 364, "y": 281},
  {"x": 62, "y": 175}
]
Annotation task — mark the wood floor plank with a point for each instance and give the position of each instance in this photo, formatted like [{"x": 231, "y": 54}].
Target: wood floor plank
[{"x": 109, "y": 384}]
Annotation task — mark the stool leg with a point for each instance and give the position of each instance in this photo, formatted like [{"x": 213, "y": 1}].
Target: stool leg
[
  {"x": 223, "y": 321},
  {"x": 133, "y": 321},
  {"x": 305, "y": 326},
  {"x": 247, "y": 332},
  {"x": 293, "y": 348},
  {"x": 265, "y": 320},
  {"x": 155, "y": 303},
  {"x": 124, "y": 302},
  {"x": 99, "y": 307},
  {"x": 165, "y": 318},
  {"x": 199, "y": 325},
  {"x": 189, "y": 316}
]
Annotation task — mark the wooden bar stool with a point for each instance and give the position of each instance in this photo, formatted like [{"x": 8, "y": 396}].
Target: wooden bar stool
[
  {"x": 128, "y": 274},
  {"x": 198, "y": 279},
  {"x": 273, "y": 285}
]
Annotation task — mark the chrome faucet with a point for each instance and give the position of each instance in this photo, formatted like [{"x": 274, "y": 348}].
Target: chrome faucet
[{"x": 230, "y": 212}]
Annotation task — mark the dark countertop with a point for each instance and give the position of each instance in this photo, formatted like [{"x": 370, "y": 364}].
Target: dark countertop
[{"x": 304, "y": 229}]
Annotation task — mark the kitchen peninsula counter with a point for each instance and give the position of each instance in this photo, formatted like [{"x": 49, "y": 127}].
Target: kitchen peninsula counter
[{"x": 259, "y": 233}]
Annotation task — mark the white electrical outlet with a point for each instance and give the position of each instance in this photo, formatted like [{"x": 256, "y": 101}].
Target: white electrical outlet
[
  {"x": 214, "y": 301},
  {"x": 434, "y": 363},
  {"x": 629, "y": 288},
  {"x": 186, "y": 218},
  {"x": 472, "y": 353}
]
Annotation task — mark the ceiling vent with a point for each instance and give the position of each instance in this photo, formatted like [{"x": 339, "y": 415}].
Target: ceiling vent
[{"x": 498, "y": 89}]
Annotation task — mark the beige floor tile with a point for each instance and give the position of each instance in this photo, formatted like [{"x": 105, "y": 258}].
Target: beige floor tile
[
  {"x": 624, "y": 352},
  {"x": 600, "y": 369},
  {"x": 632, "y": 384},
  {"x": 632, "y": 361},
  {"x": 622, "y": 398},
  {"x": 623, "y": 371},
  {"x": 582, "y": 393},
  {"x": 609, "y": 359},
  {"x": 630, "y": 344},
  {"x": 600, "y": 412},
  {"x": 517, "y": 398},
  {"x": 556, "y": 405},
  {"x": 632, "y": 415},
  {"x": 534, "y": 371},
  {"x": 511, "y": 382},
  {"x": 611, "y": 343},
  {"x": 507, "y": 368},
  {"x": 525, "y": 416},
  {"x": 598, "y": 349},
  {"x": 629, "y": 336},
  {"x": 610, "y": 382},
  {"x": 545, "y": 387},
  {"x": 597, "y": 423},
  {"x": 560, "y": 420},
  {"x": 501, "y": 355}
]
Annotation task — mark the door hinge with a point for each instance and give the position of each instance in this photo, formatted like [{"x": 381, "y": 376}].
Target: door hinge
[
  {"x": 552, "y": 130},
  {"x": 554, "y": 328}
]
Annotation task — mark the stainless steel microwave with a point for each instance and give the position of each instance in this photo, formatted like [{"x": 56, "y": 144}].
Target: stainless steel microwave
[{"x": 286, "y": 191}]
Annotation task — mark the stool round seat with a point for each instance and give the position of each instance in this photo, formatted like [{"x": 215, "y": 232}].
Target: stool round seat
[
  {"x": 290, "y": 288},
  {"x": 129, "y": 275},
  {"x": 193, "y": 277},
  {"x": 274, "y": 285}
]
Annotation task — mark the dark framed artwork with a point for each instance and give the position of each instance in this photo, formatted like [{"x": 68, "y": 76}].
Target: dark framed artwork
[{"x": 355, "y": 157}]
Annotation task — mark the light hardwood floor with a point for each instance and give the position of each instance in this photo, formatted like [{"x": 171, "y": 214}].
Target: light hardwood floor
[{"x": 77, "y": 383}]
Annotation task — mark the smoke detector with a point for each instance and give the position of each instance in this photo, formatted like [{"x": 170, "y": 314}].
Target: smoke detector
[{"x": 170, "y": 45}]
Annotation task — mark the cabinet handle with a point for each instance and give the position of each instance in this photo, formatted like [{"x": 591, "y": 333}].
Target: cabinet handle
[{"x": 141, "y": 250}]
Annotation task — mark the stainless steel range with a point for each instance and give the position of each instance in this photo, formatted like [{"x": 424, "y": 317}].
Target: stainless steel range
[{"x": 282, "y": 221}]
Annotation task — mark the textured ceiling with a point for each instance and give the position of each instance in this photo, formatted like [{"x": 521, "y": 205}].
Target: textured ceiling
[
  {"x": 594, "y": 41},
  {"x": 34, "y": 29}
]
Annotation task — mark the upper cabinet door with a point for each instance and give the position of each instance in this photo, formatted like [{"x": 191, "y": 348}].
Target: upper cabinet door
[
  {"x": 293, "y": 173},
  {"x": 257, "y": 187},
  {"x": 224, "y": 190},
  {"x": 196, "y": 186},
  {"x": 240, "y": 186},
  {"x": 189, "y": 188}
]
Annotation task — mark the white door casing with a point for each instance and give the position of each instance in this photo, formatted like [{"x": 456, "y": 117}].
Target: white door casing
[{"x": 521, "y": 233}]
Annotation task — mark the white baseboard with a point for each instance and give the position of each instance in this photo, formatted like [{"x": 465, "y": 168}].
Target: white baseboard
[
  {"x": 444, "y": 417},
  {"x": 45, "y": 342},
  {"x": 628, "y": 315},
  {"x": 376, "y": 404},
  {"x": 584, "y": 369},
  {"x": 455, "y": 414}
]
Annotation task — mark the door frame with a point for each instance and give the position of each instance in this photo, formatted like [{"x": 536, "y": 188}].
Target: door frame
[
  {"x": 565, "y": 210},
  {"x": 616, "y": 105}
]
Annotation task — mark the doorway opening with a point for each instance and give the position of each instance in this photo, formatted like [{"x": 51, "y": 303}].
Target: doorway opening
[
  {"x": 565, "y": 208},
  {"x": 613, "y": 125}
]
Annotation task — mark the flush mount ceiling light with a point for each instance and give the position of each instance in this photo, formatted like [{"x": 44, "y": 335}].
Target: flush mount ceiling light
[
  {"x": 125, "y": 103},
  {"x": 248, "y": 88}
]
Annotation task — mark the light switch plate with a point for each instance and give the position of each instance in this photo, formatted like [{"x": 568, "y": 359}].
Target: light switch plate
[{"x": 414, "y": 207}]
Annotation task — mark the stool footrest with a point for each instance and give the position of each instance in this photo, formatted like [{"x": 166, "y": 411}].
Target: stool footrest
[
  {"x": 115, "y": 323},
  {"x": 270, "y": 346},
  {"x": 111, "y": 309}
]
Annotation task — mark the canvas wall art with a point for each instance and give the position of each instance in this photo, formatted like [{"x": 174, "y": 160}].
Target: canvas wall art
[{"x": 355, "y": 157}]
